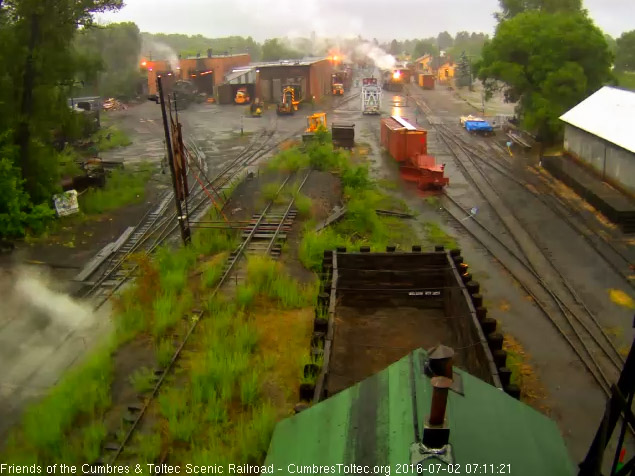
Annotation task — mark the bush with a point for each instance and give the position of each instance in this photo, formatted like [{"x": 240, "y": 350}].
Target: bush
[
  {"x": 289, "y": 160},
  {"x": 17, "y": 213}
]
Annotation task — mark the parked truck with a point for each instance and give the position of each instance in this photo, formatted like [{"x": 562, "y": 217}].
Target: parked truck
[{"x": 371, "y": 96}]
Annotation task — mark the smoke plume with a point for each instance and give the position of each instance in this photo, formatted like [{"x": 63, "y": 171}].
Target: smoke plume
[
  {"x": 379, "y": 57},
  {"x": 161, "y": 51}
]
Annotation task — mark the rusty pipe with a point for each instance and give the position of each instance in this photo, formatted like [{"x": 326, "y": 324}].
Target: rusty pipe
[{"x": 440, "y": 387}]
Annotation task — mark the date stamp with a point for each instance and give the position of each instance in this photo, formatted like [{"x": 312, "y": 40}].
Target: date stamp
[{"x": 453, "y": 468}]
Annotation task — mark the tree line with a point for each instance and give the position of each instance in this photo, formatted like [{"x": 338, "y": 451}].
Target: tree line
[{"x": 549, "y": 56}]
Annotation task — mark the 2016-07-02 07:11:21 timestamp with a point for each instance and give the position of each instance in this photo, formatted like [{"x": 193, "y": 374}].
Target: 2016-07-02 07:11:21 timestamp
[{"x": 466, "y": 468}]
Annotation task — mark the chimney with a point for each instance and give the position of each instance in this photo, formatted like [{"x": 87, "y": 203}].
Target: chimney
[
  {"x": 435, "y": 432},
  {"x": 440, "y": 387},
  {"x": 440, "y": 362},
  {"x": 198, "y": 55},
  {"x": 209, "y": 52}
]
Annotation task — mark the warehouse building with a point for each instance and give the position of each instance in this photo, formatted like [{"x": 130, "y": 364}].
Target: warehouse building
[
  {"x": 206, "y": 72},
  {"x": 599, "y": 133},
  {"x": 310, "y": 77}
]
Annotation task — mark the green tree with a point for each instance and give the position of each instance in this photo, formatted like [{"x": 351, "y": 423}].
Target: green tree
[
  {"x": 610, "y": 41},
  {"x": 625, "y": 52},
  {"x": 423, "y": 47},
  {"x": 469, "y": 43},
  {"x": 395, "y": 48},
  {"x": 274, "y": 50},
  {"x": 116, "y": 49},
  {"x": 198, "y": 44},
  {"x": 511, "y": 8},
  {"x": 444, "y": 40},
  {"x": 40, "y": 69},
  {"x": 549, "y": 63},
  {"x": 464, "y": 72}
]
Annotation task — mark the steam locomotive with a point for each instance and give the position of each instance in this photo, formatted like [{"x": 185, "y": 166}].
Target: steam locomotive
[{"x": 394, "y": 79}]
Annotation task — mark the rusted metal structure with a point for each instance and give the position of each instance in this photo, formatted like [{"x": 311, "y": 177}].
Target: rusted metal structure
[
  {"x": 407, "y": 144},
  {"x": 374, "y": 307}
]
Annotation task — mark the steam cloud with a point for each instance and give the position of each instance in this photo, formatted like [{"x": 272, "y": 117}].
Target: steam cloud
[
  {"x": 379, "y": 57},
  {"x": 29, "y": 295},
  {"x": 162, "y": 51}
]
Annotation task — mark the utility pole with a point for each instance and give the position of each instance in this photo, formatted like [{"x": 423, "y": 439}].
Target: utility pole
[{"x": 178, "y": 196}]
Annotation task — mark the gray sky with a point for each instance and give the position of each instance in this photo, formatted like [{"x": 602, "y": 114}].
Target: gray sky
[{"x": 382, "y": 19}]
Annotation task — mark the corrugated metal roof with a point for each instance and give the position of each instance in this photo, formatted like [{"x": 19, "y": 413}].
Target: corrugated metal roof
[
  {"x": 372, "y": 423},
  {"x": 607, "y": 113},
  {"x": 299, "y": 62}
]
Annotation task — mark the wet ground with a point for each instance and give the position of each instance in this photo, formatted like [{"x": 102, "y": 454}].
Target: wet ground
[{"x": 575, "y": 400}]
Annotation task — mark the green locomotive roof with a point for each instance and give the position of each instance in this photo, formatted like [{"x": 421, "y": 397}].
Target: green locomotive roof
[{"x": 373, "y": 424}]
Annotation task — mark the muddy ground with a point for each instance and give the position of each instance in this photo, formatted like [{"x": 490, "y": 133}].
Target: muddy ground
[{"x": 572, "y": 396}]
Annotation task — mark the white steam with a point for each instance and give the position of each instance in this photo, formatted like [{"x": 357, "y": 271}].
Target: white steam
[
  {"x": 30, "y": 297},
  {"x": 161, "y": 51},
  {"x": 379, "y": 57}
]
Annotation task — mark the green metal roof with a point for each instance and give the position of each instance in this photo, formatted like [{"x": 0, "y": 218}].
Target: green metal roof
[{"x": 372, "y": 423}]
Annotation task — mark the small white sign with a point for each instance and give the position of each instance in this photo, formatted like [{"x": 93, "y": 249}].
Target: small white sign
[{"x": 66, "y": 203}]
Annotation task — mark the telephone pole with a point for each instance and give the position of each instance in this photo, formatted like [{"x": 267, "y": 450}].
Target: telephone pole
[{"x": 179, "y": 185}]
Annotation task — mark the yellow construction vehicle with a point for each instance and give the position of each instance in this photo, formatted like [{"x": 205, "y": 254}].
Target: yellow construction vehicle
[
  {"x": 314, "y": 122},
  {"x": 256, "y": 108},
  {"x": 288, "y": 105},
  {"x": 242, "y": 96},
  {"x": 338, "y": 89}
]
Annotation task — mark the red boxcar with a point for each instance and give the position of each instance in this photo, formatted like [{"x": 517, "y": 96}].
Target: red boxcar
[{"x": 402, "y": 139}]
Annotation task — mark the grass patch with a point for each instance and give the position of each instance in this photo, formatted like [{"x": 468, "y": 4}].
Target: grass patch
[
  {"x": 83, "y": 393},
  {"x": 123, "y": 187},
  {"x": 435, "y": 235},
  {"x": 270, "y": 191},
  {"x": 164, "y": 352},
  {"x": 303, "y": 205},
  {"x": 245, "y": 295},
  {"x": 388, "y": 184},
  {"x": 289, "y": 160},
  {"x": 142, "y": 380},
  {"x": 110, "y": 138},
  {"x": 626, "y": 79},
  {"x": 267, "y": 277}
]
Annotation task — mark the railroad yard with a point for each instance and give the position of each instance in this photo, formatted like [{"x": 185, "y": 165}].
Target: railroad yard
[{"x": 231, "y": 329}]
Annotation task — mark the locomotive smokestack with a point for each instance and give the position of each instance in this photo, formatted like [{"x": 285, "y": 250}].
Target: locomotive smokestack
[{"x": 440, "y": 386}]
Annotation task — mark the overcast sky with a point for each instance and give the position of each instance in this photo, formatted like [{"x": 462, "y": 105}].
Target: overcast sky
[{"x": 382, "y": 19}]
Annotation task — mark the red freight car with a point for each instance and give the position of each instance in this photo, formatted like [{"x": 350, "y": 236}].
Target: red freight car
[
  {"x": 424, "y": 170},
  {"x": 402, "y": 139},
  {"x": 407, "y": 144}
]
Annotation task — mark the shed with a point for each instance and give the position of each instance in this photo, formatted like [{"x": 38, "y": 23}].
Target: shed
[
  {"x": 599, "y": 133},
  {"x": 311, "y": 78},
  {"x": 376, "y": 422}
]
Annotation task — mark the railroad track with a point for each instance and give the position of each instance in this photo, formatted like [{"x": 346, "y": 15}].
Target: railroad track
[
  {"x": 261, "y": 236},
  {"x": 604, "y": 246},
  {"x": 161, "y": 223},
  {"x": 534, "y": 271}
]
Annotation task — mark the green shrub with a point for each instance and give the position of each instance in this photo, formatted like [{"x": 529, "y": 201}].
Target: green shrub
[
  {"x": 289, "y": 160},
  {"x": 123, "y": 187},
  {"x": 245, "y": 295},
  {"x": 17, "y": 213},
  {"x": 303, "y": 205}
]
